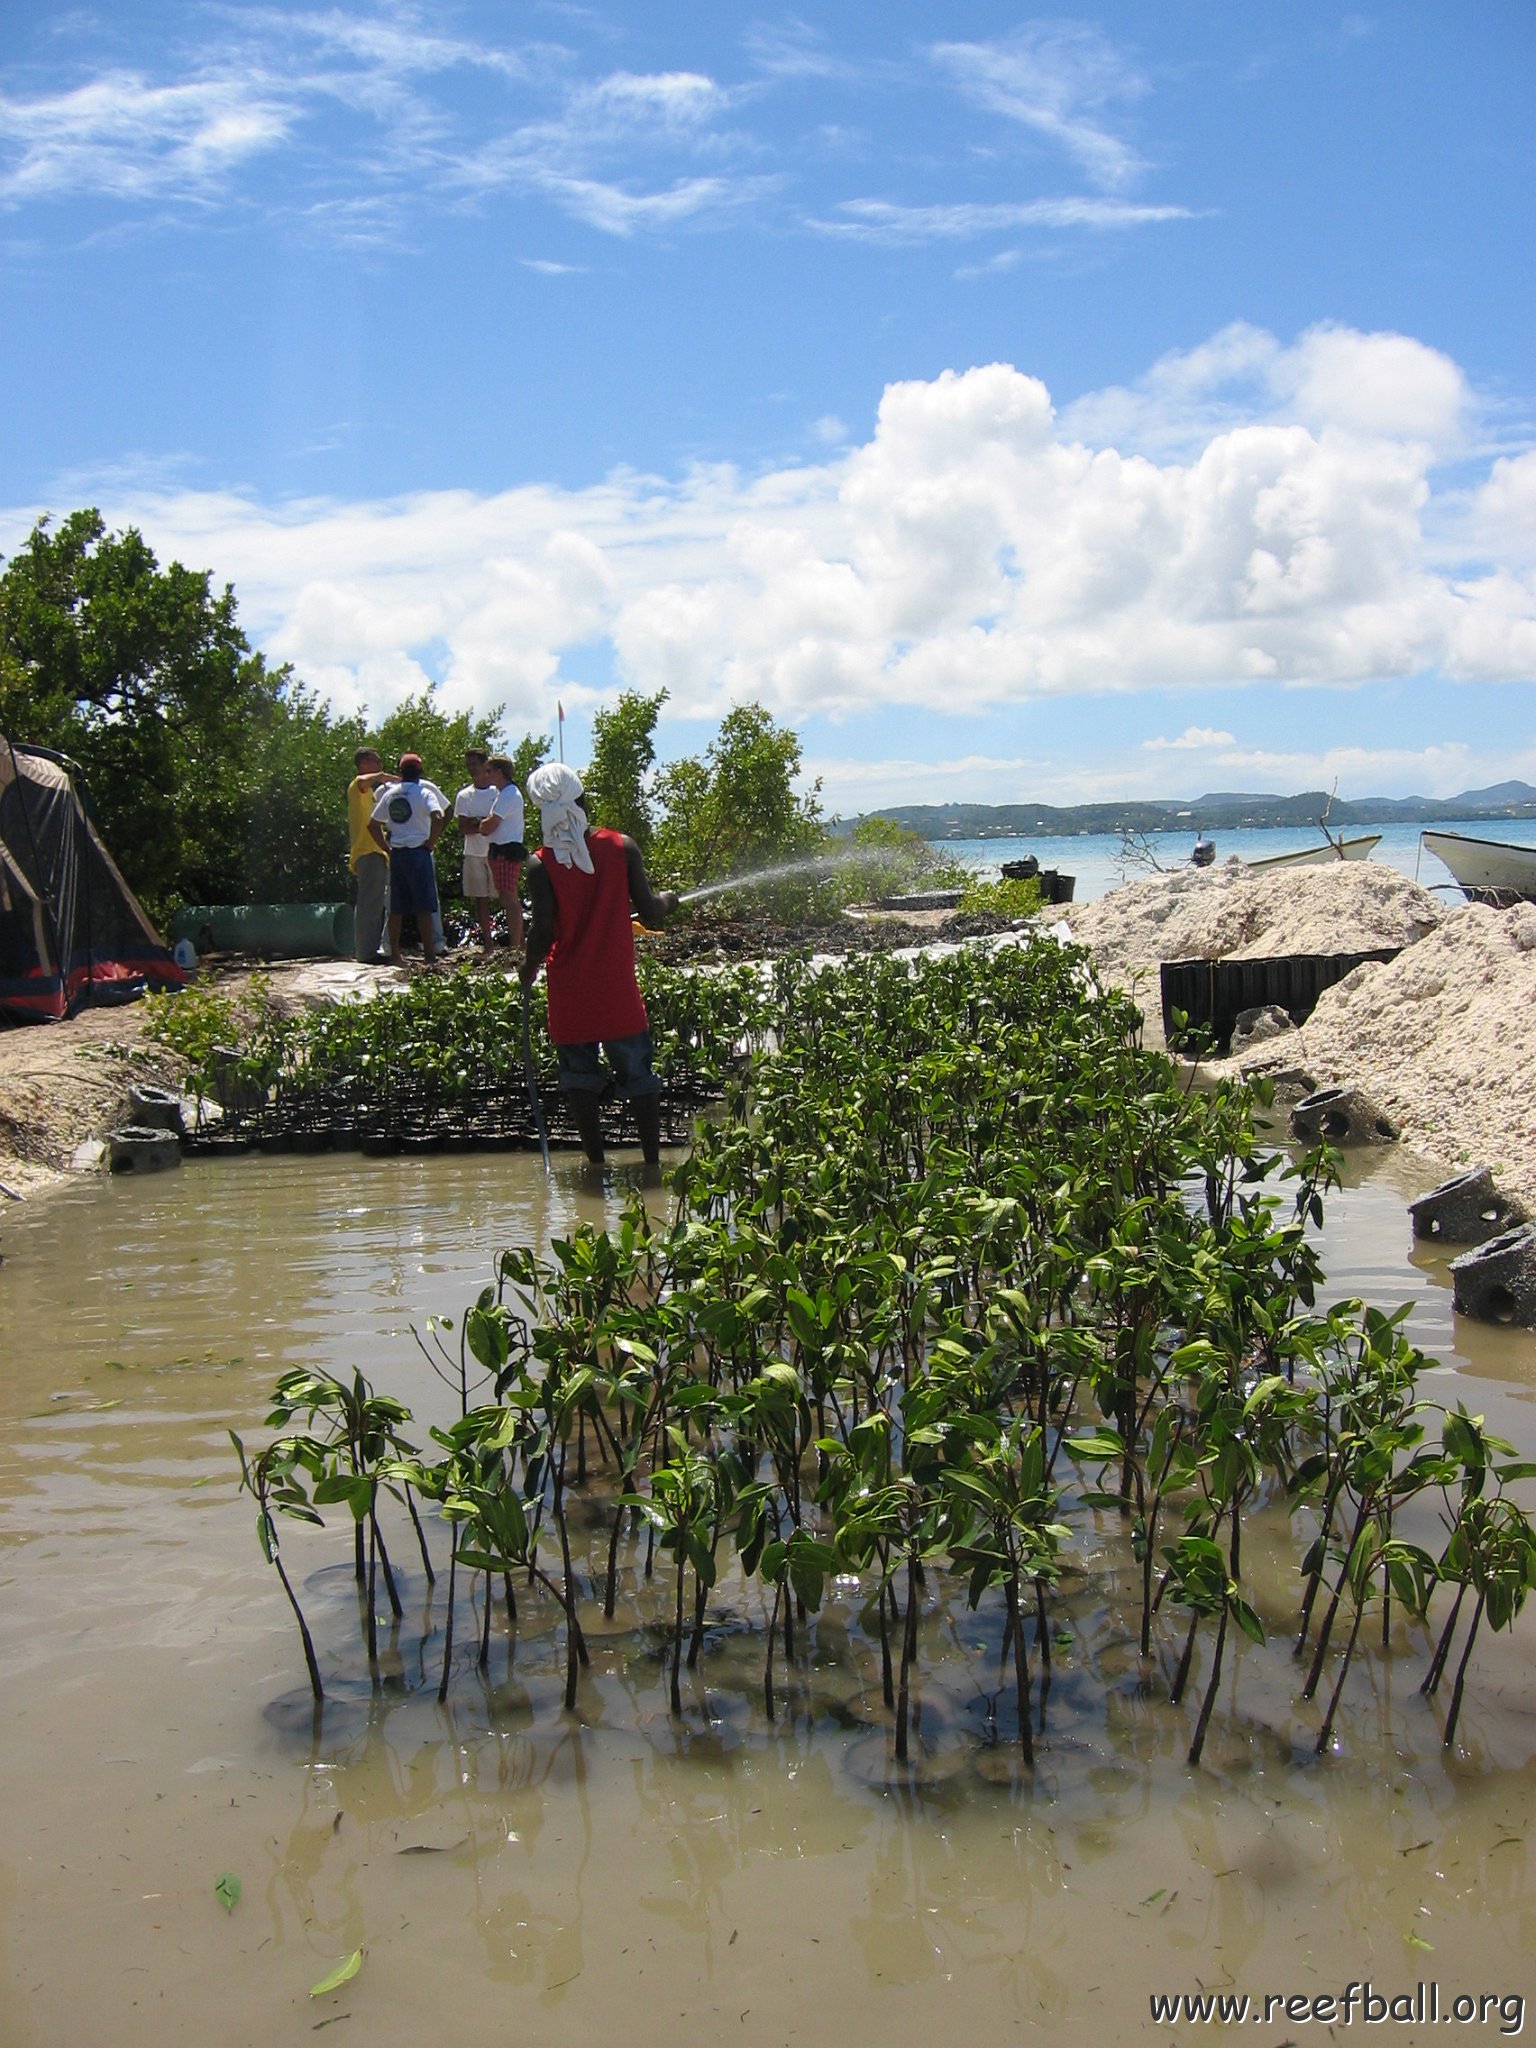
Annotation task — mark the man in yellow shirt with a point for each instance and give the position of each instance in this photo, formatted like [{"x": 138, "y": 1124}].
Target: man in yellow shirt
[{"x": 367, "y": 860}]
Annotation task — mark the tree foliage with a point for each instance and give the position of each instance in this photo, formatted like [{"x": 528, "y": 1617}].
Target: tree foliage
[
  {"x": 140, "y": 674},
  {"x": 618, "y": 778},
  {"x": 213, "y": 778},
  {"x": 735, "y": 811}
]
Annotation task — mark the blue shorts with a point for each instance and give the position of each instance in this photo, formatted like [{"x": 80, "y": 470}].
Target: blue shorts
[
  {"x": 412, "y": 880},
  {"x": 581, "y": 1071}
]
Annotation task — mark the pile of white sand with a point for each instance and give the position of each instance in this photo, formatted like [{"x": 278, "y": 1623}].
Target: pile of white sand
[
  {"x": 1241, "y": 913},
  {"x": 1444, "y": 1039}
]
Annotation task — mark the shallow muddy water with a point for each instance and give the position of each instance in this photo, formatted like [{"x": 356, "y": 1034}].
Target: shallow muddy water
[{"x": 512, "y": 1873}]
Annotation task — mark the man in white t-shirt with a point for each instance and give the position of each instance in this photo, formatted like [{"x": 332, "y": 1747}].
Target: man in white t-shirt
[
  {"x": 471, "y": 807},
  {"x": 407, "y": 823},
  {"x": 502, "y": 830}
]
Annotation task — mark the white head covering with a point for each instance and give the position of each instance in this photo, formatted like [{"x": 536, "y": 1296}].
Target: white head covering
[{"x": 555, "y": 788}]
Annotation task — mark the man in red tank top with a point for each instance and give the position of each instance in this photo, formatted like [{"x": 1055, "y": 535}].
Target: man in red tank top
[{"x": 581, "y": 888}]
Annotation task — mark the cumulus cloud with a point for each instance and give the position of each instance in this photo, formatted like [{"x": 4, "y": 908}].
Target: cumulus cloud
[
  {"x": 1381, "y": 387},
  {"x": 1435, "y": 771},
  {"x": 976, "y": 552}
]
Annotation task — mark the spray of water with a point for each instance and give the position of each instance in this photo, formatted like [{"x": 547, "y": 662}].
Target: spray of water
[{"x": 814, "y": 864}]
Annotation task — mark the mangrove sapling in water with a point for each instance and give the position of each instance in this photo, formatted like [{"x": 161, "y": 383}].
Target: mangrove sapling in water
[
  {"x": 683, "y": 1505},
  {"x": 1491, "y": 1548},
  {"x": 364, "y": 1433},
  {"x": 1370, "y": 1418},
  {"x": 1407, "y": 1570},
  {"x": 271, "y": 1479},
  {"x": 950, "y": 1207},
  {"x": 1005, "y": 1533}
]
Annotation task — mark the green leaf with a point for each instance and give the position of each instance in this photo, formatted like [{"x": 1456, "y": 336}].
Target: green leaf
[
  {"x": 226, "y": 1889},
  {"x": 342, "y": 1974},
  {"x": 1103, "y": 1444},
  {"x": 1246, "y": 1619}
]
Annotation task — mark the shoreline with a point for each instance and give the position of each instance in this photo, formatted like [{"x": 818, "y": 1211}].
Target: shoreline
[{"x": 1443, "y": 1038}]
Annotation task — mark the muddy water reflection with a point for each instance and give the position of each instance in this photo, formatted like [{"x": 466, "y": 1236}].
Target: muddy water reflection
[{"x": 510, "y": 1871}]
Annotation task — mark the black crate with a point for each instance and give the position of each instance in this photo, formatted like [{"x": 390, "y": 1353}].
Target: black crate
[{"x": 1214, "y": 993}]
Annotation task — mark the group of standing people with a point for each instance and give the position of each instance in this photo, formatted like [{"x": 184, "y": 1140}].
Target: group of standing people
[
  {"x": 583, "y": 885},
  {"x": 395, "y": 821}
]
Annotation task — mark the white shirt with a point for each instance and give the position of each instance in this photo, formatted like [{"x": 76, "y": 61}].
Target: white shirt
[
  {"x": 508, "y": 809},
  {"x": 472, "y": 803},
  {"x": 408, "y": 808}
]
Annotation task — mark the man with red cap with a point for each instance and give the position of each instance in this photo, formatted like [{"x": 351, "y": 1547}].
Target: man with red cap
[{"x": 407, "y": 822}]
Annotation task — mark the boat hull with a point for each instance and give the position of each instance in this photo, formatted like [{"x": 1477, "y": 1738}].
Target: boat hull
[
  {"x": 1323, "y": 856},
  {"x": 1488, "y": 870}
]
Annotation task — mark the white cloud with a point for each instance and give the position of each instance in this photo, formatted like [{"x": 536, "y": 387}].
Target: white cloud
[
  {"x": 1331, "y": 379},
  {"x": 1004, "y": 260},
  {"x": 617, "y": 211},
  {"x": 1193, "y": 739},
  {"x": 1055, "y": 79},
  {"x": 296, "y": 85},
  {"x": 674, "y": 99},
  {"x": 850, "y": 786},
  {"x": 1435, "y": 771},
  {"x": 973, "y": 553},
  {"x": 124, "y": 136},
  {"x": 885, "y": 222},
  {"x": 359, "y": 122}
]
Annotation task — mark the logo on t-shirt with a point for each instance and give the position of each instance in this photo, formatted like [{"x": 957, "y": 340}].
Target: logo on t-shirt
[{"x": 399, "y": 810}]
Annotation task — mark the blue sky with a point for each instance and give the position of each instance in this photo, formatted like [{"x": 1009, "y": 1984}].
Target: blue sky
[{"x": 1120, "y": 400}]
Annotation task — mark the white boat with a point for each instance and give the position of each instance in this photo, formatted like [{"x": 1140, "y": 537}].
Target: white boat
[
  {"x": 1489, "y": 870},
  {"x": 1323, "y": 856}
]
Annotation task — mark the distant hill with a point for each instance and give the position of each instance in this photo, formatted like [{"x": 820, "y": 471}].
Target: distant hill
[{"x": 1216, "y": 811}]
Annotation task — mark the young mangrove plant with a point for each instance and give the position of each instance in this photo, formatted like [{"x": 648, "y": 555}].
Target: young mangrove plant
[{"x": 962, "y": 1287}]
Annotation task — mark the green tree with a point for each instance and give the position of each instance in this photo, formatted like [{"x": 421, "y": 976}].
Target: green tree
[
  {"x": 735, "y": 811},
  {"x": 142, "y": 676},
  {"x": 288, "y": 839},
  {"x": 213, "y": 778},
  {"x": 617, "y": 781}
]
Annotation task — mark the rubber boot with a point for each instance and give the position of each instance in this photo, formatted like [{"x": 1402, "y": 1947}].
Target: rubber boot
[
  {"x": 588, "y": 1113},
  {"x": 648, "y": 1123}
]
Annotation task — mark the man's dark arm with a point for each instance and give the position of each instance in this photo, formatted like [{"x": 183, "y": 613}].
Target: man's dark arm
[
  {"x": 541, "y": 921},
  {"x": 652, "y": 909}
]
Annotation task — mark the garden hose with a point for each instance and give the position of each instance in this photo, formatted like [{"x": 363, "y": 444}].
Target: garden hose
[{"x": 533, "y": 1083}]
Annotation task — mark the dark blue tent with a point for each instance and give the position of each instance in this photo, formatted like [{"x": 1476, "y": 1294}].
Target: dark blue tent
[{"x": 71, "y": 930}]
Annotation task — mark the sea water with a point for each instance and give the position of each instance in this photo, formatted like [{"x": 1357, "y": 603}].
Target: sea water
[{"x": 1099, "y": 862}]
